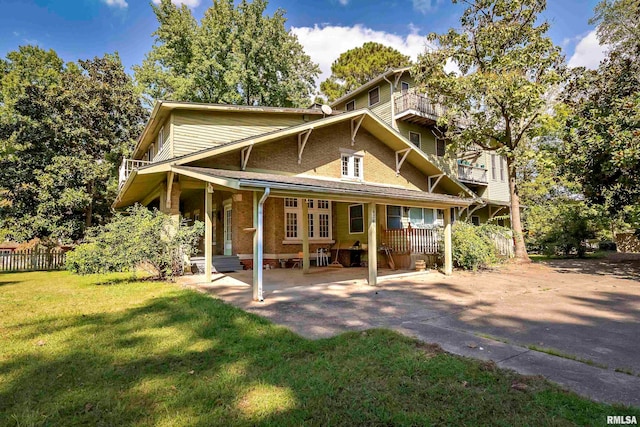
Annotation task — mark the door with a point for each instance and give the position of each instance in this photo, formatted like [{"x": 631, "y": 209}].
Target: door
[{"x": 228, "y": 247}]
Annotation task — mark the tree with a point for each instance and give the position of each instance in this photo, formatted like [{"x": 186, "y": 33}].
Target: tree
[
  {"x": 63, "y": 138},
  {"x": 497, "y": 100},
  {"x": 355, "y": 67},
  {"x": 602, "y": 135},
  {"x": 236, "y": 54}
]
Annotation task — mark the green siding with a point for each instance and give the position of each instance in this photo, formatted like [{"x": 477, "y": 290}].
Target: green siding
[
  {"x": 341, "y": 224},
  {"x": 194, "y": 131}
]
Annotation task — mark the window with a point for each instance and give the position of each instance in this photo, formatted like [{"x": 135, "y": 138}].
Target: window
[
  {"x": 351, "y": 166},
  {"x": 394, "y": 217},
  {"x": 500, "y": 222},
  {"x": 196, "y": 215},
  {"x": 414, "y": 137},
  {"x": 421, "y": 216},
  {"x": 439, "y": 217},
  {"x": 356, "y": 219},
  {"x": 493, "y": 167},
  {"x": 404, "y": 87},
  {"x": 374, "y": 96},
  {"x": 150, "y": 153},
  {"x": 319, "y": 219},
  {"x": 502, "y": 168},
  {"x": 475, "y": 220},
  {"x": 441, "y": 147},
  {"x": 160, "y": 139},
  {"x": 350, "y": 106}
]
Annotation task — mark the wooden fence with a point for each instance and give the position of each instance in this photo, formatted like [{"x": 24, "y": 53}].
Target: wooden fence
[
  {"x": 32, "y": 260},
  {"x": 504, "y": 245}
]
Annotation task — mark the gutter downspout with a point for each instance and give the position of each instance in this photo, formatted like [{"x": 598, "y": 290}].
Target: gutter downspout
[
  {"x": 259, "y": 255},
  {"x": 393, "y": 104}
]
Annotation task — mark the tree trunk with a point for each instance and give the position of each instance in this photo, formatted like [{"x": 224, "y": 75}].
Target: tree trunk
[{"x": 516, "y": 223}]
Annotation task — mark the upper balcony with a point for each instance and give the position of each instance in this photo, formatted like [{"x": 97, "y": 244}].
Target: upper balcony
[
  {"x": 470, "y": 174},
  {"x": 127, "y": 167},
  {"x": 418, "y": 109}
]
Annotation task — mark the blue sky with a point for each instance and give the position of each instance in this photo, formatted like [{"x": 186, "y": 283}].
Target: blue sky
[{"x": 79, "y": 29}]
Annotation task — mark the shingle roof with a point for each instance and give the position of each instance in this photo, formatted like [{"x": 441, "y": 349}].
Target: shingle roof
[{"x": 273, "y": 180}]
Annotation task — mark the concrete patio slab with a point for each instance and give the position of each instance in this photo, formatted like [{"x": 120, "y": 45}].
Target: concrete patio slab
[{"x": 585, "y": 311}]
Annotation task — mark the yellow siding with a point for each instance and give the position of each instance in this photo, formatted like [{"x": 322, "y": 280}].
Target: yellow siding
[{"x": 194, "y": 131}]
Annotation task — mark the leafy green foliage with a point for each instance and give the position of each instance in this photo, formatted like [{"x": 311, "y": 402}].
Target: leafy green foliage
[
  {"x": 472, "y": 246},
  {"x": 602, "y": 135},
  {"x": 63, "y": 131},
  {"x": 138, "y": 238},
  {"x": 235, "y": 55},
  {"x": 498, "y": 99},
  {"x": 355, "y": 67}
]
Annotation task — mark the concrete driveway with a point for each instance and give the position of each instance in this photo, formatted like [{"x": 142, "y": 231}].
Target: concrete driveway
[{"x": 576, "y": 322}]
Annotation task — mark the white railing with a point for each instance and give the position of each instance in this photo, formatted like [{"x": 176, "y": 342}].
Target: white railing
[
  {"x": 127, "y": 167},
  {"x": 420, "y": 103},
  {"x": 504, "y": 245},
  {"x": 412, "y": 240},
  {"x": 472, "y": 174}
]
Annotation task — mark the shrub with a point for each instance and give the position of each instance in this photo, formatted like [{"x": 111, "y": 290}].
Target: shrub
[
  {"x": 472, "y": 247},
  {"x": 137, "y": 237}
]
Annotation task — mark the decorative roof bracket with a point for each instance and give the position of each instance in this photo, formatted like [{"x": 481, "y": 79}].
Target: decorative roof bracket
[
  {"x": 245, "y": 153},
  {"x": 400, "y": 160},
  {"x": 432, "y": 183},
  {"x": 355, "y": 125},
  {"x": 303, "y": 137}
]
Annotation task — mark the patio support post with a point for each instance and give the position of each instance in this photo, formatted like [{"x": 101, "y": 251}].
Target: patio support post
[
  {"x": 258, "y": 255},
  {"x": 255, "y": 246},
  {"x": 306, "y": 263},
  {"x": 448, "y": 255},
  {"x": 372, "y": 245},
  {"x": 208, "y": 232}
]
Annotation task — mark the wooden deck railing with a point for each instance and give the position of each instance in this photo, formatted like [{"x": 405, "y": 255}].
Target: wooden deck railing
[
  {"x": 127, "y": 167},
  {"x": 420, "y": 103},
  {"x": 32, "y": 260},
  {"x": 412, "y": 240}
]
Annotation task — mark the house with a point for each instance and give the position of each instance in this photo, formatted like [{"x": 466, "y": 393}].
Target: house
[
  {"x": 393, "y": 97},
  {"x": 8, "y": 247},
  {"x": 271, "y": 183}
]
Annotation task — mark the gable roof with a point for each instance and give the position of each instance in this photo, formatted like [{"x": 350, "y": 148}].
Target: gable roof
[
  {"x": 369, "y": 84},
  {"x": 162, "y": 109},
  {"x": 428, "y": 164}
]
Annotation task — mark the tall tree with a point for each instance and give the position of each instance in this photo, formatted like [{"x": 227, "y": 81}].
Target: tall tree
[
  {"x": 66, "y": 140},
  {"x": 236, "y": 54},
  {"x": 507, "y": 67},
  {"x": 602, "y": 135},
  {"x": 357, "y": 66}
]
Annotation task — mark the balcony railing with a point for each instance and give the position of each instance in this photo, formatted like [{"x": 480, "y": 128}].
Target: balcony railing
[
  {"x": 127, "y": 167},
  {"x": 420, "y": 103},
  {"x": 472, "y": 174},
  {"x": 412, "y": 240}
]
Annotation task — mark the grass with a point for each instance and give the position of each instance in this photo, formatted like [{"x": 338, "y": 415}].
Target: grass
[
  {"x": 589, "y": 255},
  {"x": 103, "y": 351},
  {"x": 555, "y": 352}
]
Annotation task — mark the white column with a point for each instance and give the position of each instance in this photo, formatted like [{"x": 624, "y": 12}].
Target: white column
[
  {"x": 372, "y": 245},
  {"x": 256, "y": 249},
  {"x": 448, "y": 255},
  {"x": 208, "y": 232},
  {"x": 306, "y": 263}
]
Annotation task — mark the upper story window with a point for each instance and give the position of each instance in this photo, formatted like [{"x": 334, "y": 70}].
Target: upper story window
[
  {"x": 160, "y": 139},
  {"x": 502, "y": 168},
  {"x": 150, "y": 153},
  {"x": 374, "y": 96},
  {"x": 404, "y": 87},
  {"x": 498, "y": 167},
  {"x": 351, "y": 165},
  {"x": 414, "y": 137},
  {"x": 350, "y": 106},
  {"x": 319, "y": 219},
  {"x": 441, "y": 147}
]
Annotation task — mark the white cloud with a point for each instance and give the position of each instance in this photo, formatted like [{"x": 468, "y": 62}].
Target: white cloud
[
  {"x": 325, "y": 43},
  {"x": 189, "y": 3},
  {"x": 588, "y": 52},
  {"x": 425, "y": 6},
  {"x": 343, "y": 2},
  {"x": 117, "y": 3}
]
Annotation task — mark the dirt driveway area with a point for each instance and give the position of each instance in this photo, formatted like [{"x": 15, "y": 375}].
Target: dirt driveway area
[{"x": 584, "y": 312}]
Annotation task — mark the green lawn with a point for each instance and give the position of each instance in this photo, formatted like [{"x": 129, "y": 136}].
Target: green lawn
[{"x": 103, "y": 351}]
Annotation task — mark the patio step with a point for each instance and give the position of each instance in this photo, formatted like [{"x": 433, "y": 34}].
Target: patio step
[{"x": 221, "y": 264}]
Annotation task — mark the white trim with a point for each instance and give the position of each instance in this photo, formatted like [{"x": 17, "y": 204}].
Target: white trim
[
  {"x": 347, "y": 103},
  {"x": 369, "y": 96},
  {"x": 349, "y": 215},
  {"x": 419, "y": 145},
  {"x": 351, "y": 166}
]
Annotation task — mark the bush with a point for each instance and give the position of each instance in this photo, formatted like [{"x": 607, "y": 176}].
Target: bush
[
  {"x": 472, "y": 246},
  {"x": 607, "y": 245},
  {"x": 137, "y": 237}
]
